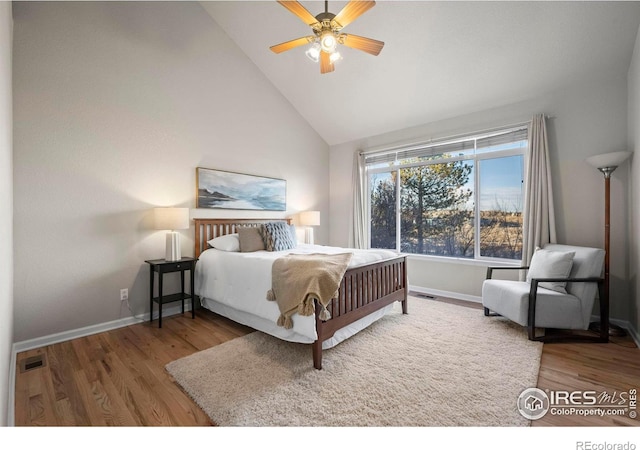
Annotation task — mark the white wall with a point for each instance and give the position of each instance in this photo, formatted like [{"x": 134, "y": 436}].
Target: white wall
[
  {"x": 633, "y": 79},
  {"x": 588, "y": 119},
  {"x": 117, "y": 103},
  {"x": 6, "y": 209}
]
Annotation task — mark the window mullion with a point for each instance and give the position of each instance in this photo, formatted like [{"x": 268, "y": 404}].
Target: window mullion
[
  {"x": 368, "y": 212},
  {"x": 476, "y": 204}
]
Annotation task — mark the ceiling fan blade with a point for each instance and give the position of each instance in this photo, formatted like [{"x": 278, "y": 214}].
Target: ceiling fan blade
[
  {"x": 368, "y": 45},
  {"x": 326, "y": 65},
  {"x": 300, "y": 11},
  {"x": 283, "y": 47},
  {"x": 353, "y": 10}
]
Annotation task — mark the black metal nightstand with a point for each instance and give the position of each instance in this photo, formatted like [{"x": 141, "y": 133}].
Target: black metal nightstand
[{"x": 163, "y": 266}]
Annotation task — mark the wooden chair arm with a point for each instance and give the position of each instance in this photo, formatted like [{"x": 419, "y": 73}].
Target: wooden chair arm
[
  {"x": 490, "y": 269},
  {"x": 568, "y": 280}
]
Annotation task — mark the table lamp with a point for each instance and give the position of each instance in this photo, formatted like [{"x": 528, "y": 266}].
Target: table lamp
[
  {"x": 309, "y": 219},
  {"x": 172, "y": 219}
]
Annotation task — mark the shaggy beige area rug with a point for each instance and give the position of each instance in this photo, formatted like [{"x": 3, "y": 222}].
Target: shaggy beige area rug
[{"x": 440, "y": 365}]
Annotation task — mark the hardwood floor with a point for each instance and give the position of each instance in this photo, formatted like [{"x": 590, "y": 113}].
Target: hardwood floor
[
  {"x": 612, "y": 368},
  {"x": 118, "y": 377}
]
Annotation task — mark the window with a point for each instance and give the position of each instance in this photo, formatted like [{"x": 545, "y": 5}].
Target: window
[
  {"x": 383, "y": 192},
  {"x": 459, "y": 198}
]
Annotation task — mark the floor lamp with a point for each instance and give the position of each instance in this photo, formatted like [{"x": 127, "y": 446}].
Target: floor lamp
[{"x": 607, "y": 163}]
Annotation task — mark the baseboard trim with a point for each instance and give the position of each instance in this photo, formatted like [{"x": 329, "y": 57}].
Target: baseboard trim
[
  {"x": 634, "y": 335},
  {"x": 56, "y": 338},
  {"x": 622, "y": 324},
  {"x": 43, "y": 341},
  {"x": 439, "y": 293}
]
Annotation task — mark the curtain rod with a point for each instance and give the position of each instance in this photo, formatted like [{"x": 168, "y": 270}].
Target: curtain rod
[{"x": 430, "y": 141}]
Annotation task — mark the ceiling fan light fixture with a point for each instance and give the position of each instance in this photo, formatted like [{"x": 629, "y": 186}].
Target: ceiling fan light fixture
[
  {"x": 328, "y": 42},
  {"x": 327, "y": 32},
  {"x": 313, "y": 52}
]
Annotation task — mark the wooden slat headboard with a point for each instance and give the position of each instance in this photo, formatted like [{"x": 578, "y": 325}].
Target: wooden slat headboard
[{"x": 207, "y": 229}]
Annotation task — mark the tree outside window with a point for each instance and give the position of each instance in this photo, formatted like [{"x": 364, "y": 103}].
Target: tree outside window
[{"x": 465, "y": 204}]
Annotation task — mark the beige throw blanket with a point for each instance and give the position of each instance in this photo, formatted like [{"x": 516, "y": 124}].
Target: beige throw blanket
[{"x": 299, "y": 279}]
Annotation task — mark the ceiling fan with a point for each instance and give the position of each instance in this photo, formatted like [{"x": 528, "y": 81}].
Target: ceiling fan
[{"x": 327, "y": 34}]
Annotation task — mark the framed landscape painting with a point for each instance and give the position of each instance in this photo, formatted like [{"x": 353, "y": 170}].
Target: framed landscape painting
[{"x": 229, "y": 190}]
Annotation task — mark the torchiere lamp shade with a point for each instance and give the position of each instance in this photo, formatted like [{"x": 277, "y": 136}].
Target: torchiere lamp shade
[{"x": 612, "y": 160}]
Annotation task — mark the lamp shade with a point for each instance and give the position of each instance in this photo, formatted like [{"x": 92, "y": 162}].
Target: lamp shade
[
  {"x": 612, "y": 159},
  {"x": 171, "y": 218},
  {"x": 310, "y": 218}
]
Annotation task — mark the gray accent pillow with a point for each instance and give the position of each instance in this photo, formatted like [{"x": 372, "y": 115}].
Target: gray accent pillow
[
  {"x": 250, "y": 239},
  {"x": 277, "y": 236},
  {"x": 549, "y": 264}
]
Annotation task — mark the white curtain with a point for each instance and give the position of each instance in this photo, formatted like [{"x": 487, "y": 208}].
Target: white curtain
[
  {"x": 539, "y": 226},
  {"x": 360, "y": 229}
]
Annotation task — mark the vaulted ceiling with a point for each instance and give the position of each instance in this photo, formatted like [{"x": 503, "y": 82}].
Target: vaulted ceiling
[{"x": 440, "y": 59}]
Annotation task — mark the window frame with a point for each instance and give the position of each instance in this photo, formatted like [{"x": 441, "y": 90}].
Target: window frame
[{"x": 476, "y": 158}]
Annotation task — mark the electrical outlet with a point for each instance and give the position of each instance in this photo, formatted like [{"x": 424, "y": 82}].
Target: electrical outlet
[{"x": 124, "y": 294}]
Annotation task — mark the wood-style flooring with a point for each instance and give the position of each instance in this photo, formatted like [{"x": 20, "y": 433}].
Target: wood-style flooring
[{"x": 117, "y": 378}]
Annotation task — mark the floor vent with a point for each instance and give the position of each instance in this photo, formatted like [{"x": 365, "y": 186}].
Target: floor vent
[
  {"x": 31, "y": 363},
  {"x": 430, "y": 297}
]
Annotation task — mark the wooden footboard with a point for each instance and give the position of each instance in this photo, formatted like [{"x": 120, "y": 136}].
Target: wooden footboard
[{"x": 363, "y": 290}]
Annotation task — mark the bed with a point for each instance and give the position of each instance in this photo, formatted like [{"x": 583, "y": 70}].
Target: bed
[{"x": 374, "y": 280}]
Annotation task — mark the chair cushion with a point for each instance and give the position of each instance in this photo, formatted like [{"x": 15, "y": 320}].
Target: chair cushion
[
  {"x": 510, "y": 299},
  {"x": 551, "y": 264}
]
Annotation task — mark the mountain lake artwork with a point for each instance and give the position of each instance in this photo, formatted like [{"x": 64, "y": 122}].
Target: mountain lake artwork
[{"x": 229, "y": 190}]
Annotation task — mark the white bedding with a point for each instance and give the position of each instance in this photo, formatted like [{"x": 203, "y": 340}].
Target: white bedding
[{"x": 235, "y": 285}]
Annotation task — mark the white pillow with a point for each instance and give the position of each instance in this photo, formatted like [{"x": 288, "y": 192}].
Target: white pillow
[
  {"x": 227, "y": 243},
  {"x": 549, "y": 264}
]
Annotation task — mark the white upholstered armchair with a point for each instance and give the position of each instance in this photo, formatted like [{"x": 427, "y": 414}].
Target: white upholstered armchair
[{"x": 559, "y": 293}]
